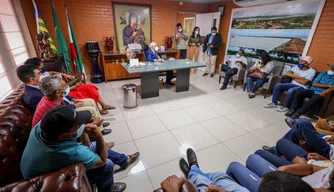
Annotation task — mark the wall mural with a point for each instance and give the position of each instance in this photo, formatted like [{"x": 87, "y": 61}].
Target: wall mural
[
  {"x": 132, "y": 23},
  {"x": 285, "y": 30}
]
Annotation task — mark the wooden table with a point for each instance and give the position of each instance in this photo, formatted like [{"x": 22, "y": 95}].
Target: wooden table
[{"x": 112, "y": 64}]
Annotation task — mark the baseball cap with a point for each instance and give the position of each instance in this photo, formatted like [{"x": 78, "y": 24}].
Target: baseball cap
[
  {"x": 308, "y": 59},
  {"x": 331, "y": 66},
  {"x": 61, "y": 119}
]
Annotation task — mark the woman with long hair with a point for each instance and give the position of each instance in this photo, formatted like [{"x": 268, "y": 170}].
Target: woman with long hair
[
  {"x": 263, "y": 65},
  {"x": 194, "y": 42}
]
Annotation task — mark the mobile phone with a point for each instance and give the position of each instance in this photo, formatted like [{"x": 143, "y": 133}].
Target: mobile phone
[{"x": 329, "y": 122}]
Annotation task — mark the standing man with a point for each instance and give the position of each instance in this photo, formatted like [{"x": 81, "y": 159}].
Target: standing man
[
  {"x": 232, "y": 66},
  {"x": 301, "y": 76},
  {"x": 211, "y": 44},
  {"x": 181, "y": 38}
]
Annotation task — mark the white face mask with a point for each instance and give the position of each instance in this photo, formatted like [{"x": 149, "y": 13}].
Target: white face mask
[
  {"x": 260, "y": 61},
  {"x": 330, "y": 73},
  {"x": 180, "y": 30},
  {"x": 213, "y": 34},
  {"x": 156, "y": 48},
  {"x": 196, "y": 32},
  {"x": 238, "y": 55}
]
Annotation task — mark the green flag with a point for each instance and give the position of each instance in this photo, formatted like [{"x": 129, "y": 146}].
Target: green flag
[{"x": 61, "y": 43}]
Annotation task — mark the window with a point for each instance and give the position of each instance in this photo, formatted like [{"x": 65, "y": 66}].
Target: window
[{"x": 13, "y": 50}]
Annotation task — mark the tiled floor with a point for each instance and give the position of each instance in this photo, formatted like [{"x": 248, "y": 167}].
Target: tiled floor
[{"x": 221, "y": 126}]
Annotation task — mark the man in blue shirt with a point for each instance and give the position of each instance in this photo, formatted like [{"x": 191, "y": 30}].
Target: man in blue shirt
[
  {"x": 322, "y": 85},
  {"x": 152, "y": 56},
  {"x": 53, "y": 145}
]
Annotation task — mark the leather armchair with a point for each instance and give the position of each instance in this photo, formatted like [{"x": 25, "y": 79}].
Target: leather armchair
[
  {"x": 186, "y": 187},
  {"x": 71, "y": 178},
  {"x": 15, "y": 126}
]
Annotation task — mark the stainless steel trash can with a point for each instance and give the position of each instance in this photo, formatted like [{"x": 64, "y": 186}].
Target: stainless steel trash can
[{"x": 130, "y": 96}]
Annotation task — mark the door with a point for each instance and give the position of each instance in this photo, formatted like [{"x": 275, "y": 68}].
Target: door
[{"x": 205, "y": 21}]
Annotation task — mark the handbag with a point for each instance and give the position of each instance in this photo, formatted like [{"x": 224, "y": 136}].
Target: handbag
[{"x": 256, "y": 74}]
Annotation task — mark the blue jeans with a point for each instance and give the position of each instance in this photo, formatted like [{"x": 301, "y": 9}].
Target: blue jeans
[
  {"x": 104, "y": 176},
  {"x": 259, "y": 83},
  {"x": 291, "y": 88},
  {"x": 302, "y": 130},
  {"x": 259, "y": 166},
  {"x": 272, "y": 158},
  {"x": 204, "y": 180},
  {"x": 244, "y": 176}
]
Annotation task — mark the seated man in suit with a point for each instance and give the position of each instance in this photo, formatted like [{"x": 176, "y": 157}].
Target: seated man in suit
[{"x": 152, "y": 56}]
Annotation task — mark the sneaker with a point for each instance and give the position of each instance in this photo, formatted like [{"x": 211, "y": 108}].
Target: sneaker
[
  {"x": 282, "y": 109},
  {"x": 270, "y": 105}
]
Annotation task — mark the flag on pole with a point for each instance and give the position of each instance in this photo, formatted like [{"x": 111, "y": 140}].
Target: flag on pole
[
  {"x": 42, "y": 28},
  {"x": 78, "y": 65},
  {"x": 61, "y": 43}
]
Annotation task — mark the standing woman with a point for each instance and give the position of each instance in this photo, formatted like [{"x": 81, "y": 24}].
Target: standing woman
[
  {"x": 194, "y": 42},
  {"x": 263, "y": 65}
]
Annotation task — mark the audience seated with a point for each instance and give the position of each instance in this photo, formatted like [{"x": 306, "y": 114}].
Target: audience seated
[
  {"x": 79, "y": 90},
  {"x": 301, "y": 75},
  {"x": 321, "y": 86},
  {"x": 30, "y": 75},
  {"x": 302, "y": 129},
  {"x": 152, "y": 56},
  {"x": 263, "y": 65},
  {"x": 53, "y": 145},
  {"x": 55, "y": 90},
  {"x": 206, "y": 182}
]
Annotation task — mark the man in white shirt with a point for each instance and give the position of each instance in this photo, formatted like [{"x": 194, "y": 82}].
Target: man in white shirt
[
  {"x": 232, "y": 66},
  {"x": 301, "y": 75}
]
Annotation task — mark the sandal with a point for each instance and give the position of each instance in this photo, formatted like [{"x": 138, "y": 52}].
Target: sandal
[
  {"x": 108, "y": 107},
  {"x": 110, "y": 144},
  {"x": 104, "y": 112}
]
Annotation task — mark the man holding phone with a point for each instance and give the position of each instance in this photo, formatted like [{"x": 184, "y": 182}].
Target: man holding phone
[{"x": 211, "y": 44}]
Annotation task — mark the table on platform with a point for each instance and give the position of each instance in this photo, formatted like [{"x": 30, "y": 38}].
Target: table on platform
[{"x": 149, "y": 75}]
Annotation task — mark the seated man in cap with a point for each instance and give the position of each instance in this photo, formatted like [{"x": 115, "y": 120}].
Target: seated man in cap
[
  {"x": 301, "y": 75},
  {"x": 322, "y": 85},
  {"x": 53, "y": 145}
]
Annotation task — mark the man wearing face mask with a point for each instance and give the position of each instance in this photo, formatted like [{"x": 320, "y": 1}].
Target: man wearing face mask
[
  {"x": 232, "y": 66},
  {"x": 211, "y": 44},
  {"x": 52, "y": 145},
  {"x": 181, "y": 38},
  {"x": 301, "y": 75},
  {"x": 152, "y": 56},
  {"x": 30, "y": 75},
  {"x": 322, "y": 85},
  {"x": 56, "y": 93}
]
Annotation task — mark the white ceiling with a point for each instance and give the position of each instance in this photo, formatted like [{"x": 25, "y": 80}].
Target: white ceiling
[{"x": 201, "y": 1}]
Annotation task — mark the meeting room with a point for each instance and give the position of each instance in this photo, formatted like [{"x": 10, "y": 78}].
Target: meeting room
[{"x": 167, "y": 95}]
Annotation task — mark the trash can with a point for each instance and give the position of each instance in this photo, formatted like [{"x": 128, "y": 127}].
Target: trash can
[{"x": 130, "y": 96}]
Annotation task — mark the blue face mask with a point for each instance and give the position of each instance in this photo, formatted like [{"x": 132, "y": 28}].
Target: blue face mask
[
  {"x": 301, "y": 65},
  {"x": 80, "y": 131},
  {"x": 330, "y": 73},
  {"x": 67, "y": 91}
]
